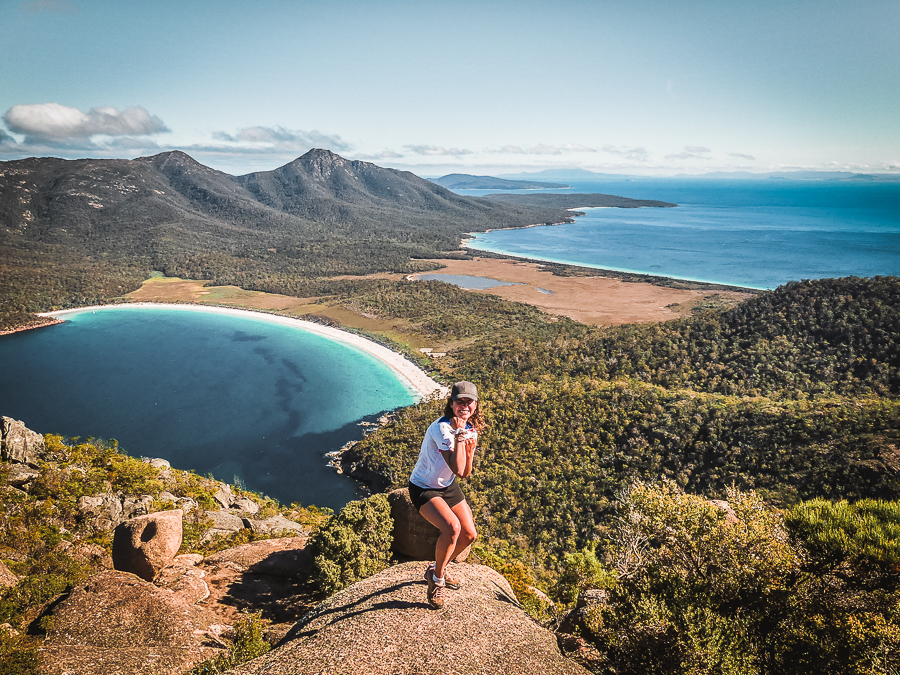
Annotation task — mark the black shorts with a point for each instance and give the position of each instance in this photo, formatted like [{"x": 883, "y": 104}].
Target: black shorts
[{"x": 450, "y": 494}]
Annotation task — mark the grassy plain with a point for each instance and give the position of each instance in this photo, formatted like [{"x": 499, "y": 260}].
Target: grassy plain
[{"x": 596, "y": 300}]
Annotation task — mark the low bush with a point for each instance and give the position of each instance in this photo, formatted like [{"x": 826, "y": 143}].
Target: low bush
[{"x": 353, "y": 544}]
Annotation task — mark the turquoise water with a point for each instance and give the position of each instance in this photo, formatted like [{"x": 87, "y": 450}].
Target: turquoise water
[
  {"x": 221, "y": 394},
  {"x": 756, "y": 233},
  {"x": 467, "y": 281}
]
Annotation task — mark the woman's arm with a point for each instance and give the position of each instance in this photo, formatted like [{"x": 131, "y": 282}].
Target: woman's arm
[{"x": 459, "y": 457}]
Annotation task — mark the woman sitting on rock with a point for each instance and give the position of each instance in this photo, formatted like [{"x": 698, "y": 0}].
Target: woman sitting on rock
[{"x": 447, "y": 452}]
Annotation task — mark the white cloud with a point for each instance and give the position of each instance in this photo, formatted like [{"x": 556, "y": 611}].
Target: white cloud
[
  {"x": 55, "y": 122},
  {"x": 691, "y": 152},
  {"x": 540, "y": 149},
  {"x": 48, "y": 6},
  {"x": 636, "y": 154},
  {"x": 279, "y": 139},
  {"x": 384, "y": 154},
  {"x": 432, "y": 150},
  {"x": 741, "y": 155}
]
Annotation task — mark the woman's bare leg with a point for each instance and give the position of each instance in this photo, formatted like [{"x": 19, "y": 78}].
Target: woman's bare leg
[
  {"x": 436, "y": 512},
  {"x": 467, "y": 532}
]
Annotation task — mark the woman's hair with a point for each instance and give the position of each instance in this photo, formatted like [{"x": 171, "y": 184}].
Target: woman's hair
[{"x": 476, "y": 420}]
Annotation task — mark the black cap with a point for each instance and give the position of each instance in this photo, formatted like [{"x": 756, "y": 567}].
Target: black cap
[{"x": 464, "y": 390}]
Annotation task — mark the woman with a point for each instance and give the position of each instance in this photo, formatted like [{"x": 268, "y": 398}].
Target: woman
[{"x": 447, "y": 452}]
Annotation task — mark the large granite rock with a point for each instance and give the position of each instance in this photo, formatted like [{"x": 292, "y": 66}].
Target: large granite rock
[
  {"x": 224, "y": 523},
  {"x": 117, "y": 624},
  {"x": 18, "y": 443},
  {"x": 266, "y": 576},
  {"x": 21, "y": 475},
  {"x": 147, "y": 544},
  {"x": 276, "y": 523},
  {"x": 414, "y": 537},
  {"x": 102, "y": 511},
  {"x": 383, "y": 626},
  {"x": 224, "y": 495}
]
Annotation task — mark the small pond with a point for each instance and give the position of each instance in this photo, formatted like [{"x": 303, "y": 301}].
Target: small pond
[{"x": 466, "y": 281}]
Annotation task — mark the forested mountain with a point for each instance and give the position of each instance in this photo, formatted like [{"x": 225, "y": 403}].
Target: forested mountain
[{"x": 82, "y": 231}]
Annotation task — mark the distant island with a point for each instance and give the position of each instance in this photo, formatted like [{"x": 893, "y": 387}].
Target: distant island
[{"x": 464, "y": 181}]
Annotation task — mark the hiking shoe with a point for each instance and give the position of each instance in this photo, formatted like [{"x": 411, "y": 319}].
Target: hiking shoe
[
  {"x": 435, "y": 592},
  {"x": 450, "y": 582}
]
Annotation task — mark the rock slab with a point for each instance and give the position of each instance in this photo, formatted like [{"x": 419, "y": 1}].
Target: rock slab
[
  {"x": 18, "y": 443},
  {"x": 414, "y": 537},
  {"x": 384, "y": 626},
  {"x": 117, "y": 624},
  {"x": 147, "y": 544}
]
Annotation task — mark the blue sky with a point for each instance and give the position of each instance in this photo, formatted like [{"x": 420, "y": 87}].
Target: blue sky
[{"x": 644, "y": 87}]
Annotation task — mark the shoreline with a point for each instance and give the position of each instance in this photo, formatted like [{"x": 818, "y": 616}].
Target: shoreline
[
  {"x": 643, "y": 276},
  {"x": 407, "y": 372},
  {"x": 29, "y": 326}
]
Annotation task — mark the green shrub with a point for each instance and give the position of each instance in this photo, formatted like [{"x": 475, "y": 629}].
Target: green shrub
[
  {"x": 43, "y": 578},
  {"x": 582, "y": 571},
  {"x": 521, "y": 579},
  {"x": 353, "y": 544},
  {"x": 247, "y": 642},
  {"x": 18, "y": 654}
]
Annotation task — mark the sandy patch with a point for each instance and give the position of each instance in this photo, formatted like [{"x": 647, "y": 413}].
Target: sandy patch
[
  {"x": 408, "y": 372},
  {"x": 602, "y": 301},
  {"x": 174, "y": 289}
]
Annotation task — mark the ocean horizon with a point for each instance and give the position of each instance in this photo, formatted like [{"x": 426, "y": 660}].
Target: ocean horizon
[{"x": 752, "y": 233}]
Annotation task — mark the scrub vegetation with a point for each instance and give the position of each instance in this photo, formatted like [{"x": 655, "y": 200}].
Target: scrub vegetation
[{"x": 593, "y": 481}]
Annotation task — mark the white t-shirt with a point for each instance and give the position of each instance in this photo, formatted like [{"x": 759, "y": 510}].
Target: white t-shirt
[{"x": 431, "y": 470}]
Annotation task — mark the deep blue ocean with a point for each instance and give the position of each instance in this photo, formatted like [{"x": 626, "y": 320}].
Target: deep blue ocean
[
  {"x": 240, "y": 398},
  {"x": 757, "y": 233}
]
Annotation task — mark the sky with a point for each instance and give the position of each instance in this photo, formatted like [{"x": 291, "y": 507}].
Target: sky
[{"x": 645, "y": 87}]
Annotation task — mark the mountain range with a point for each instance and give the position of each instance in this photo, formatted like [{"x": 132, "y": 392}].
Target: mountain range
[{"x": 74, "y": 232}]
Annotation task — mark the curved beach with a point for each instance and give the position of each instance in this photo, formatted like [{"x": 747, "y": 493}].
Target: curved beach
[{"x": 409, "y": 373}]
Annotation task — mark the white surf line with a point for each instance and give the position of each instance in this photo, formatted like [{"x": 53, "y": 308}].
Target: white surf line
[{"x": 413, "y": 376}]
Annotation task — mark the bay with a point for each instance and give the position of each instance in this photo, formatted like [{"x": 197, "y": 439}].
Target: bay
[
  {"x": 240, "y": 398},
  {"x": 754, "y": 233}
]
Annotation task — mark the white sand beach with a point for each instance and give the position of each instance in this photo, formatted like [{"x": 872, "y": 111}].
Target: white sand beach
[{"x": 409, "y": 373}]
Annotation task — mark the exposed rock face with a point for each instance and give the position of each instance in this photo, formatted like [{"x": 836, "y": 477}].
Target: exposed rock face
[
  {"x": 102, "y": 511},
  {"x": 132, "y": 507},
  {"x": 260, "y": 576},
  {"x": 18, "y": 443},
  {"x": 105, "y": 511},
  {"x": 7, "y": 578},
  {"x": 274, "y": 524},
  {"x": 224, "y": 524},
  {"x": 146, "y": 544},
  {"x": 383, "y": 625},
  {"x": 116, "y": 624},
  {"x": 224, "y": 495},
  {"x": 414, "y": 536},
  {"x": 21, "y": 475},
  {"x": 246, "y": 505}
]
